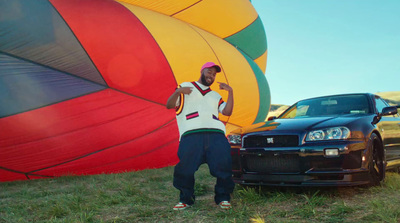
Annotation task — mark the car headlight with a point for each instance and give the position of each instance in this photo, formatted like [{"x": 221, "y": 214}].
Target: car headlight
[
  {"x": 328, "y": 134},
  {"x": 235, "y": 139}
]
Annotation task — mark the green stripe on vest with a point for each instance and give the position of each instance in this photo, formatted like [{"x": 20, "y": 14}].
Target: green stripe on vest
[{"x": 202, "y": 130}]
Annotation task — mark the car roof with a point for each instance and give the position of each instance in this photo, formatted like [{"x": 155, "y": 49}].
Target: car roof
[{"x": 336, "y": 95}]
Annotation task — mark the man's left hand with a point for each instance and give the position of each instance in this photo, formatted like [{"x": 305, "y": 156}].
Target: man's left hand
[{"x": 224, "y": 86}]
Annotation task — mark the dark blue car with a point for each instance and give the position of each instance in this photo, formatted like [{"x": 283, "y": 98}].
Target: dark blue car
[{"x": 338, "y": 140}]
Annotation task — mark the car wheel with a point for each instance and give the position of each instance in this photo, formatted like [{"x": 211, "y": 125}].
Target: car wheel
[{"x": 376, "y": 162}]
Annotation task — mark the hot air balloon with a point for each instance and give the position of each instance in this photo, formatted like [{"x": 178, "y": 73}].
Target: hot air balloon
[{"x": 84, "y": 83}]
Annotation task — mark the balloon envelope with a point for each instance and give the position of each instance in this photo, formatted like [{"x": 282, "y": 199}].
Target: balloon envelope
[{"x": 83, "y": 83}]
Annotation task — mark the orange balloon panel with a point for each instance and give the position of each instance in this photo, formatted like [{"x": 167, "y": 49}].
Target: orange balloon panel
[
  {"x": 167, "y": 7},
  {"x": 223, "y": 17}
]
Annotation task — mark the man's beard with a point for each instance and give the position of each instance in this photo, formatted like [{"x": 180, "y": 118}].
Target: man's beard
[{"x": 204, "y": 81}]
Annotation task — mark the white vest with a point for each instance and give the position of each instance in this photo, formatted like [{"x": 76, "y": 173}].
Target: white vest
[{"x": 198, "y": 111}]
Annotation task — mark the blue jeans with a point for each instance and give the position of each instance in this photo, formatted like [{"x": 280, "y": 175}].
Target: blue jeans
[{"x": 198, "y": 148}]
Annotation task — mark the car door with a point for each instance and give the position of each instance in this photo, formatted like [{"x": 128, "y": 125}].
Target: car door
[{"x": 390, "y": 130}]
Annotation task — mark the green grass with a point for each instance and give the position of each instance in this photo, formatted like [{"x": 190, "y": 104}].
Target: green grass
[{"x": 148, "y": 196}]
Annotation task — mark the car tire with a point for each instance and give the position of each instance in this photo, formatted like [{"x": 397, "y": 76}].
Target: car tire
[{"x": 376, "y": 164}]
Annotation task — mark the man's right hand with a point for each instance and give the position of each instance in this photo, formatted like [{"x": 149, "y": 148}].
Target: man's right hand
[
  {"x": 171, "y": 103},
  {"x": 185, "y": 90}
]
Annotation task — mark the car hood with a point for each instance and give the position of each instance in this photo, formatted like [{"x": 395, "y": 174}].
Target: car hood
[{"x": 301, "y": 124}]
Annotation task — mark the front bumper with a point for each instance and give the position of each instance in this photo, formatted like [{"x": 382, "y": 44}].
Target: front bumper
[
  {"x": 334, "y": 178},
  {"x": 305, "y": 165}
]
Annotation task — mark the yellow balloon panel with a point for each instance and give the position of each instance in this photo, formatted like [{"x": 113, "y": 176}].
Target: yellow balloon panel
[
  {"x": 183, "y": 47},
  {"x": 167, "y": 7},
  {"x": 220, "y": 17},
  {"x": 262, "y": 61},
  {"x": 240, "y": 77}
]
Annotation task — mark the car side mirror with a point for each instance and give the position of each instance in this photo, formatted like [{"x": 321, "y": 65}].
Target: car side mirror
[
  {"x": 392, "y": 110},
  {"x": 271, "y": 118}
]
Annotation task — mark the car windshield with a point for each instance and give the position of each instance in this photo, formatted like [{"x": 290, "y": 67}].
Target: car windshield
[{"x": 331, "y": 105}]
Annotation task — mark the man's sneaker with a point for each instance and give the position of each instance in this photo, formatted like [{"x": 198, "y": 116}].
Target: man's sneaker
[
  {"x": 225, "y": 205},
  {"x": 181, "y": 206}
]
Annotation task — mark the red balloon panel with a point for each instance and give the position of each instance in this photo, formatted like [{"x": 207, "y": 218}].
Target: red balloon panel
[
  {"x": 154, "y": 150},
  {"x": 129, "y": 59},
  {"x": 91, "y": 125}
]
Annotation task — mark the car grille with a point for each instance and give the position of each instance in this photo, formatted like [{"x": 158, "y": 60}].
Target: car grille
[
  {"x": 272, "y": 164},
  {"x": 270, "y": 141},
  {"x": 235, "y": 161}
]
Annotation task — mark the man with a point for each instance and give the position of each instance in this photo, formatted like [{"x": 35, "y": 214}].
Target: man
[{"x": 202, "y": 136}]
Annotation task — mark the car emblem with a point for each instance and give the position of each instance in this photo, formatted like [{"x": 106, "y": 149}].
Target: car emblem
[{"x": 270, "y": 140}]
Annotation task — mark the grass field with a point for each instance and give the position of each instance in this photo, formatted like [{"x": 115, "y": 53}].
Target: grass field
[{"x": 148, "y": 196}]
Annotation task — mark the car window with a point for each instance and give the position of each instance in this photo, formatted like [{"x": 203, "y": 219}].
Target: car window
[
  {"x": 380, "y": 104},
  {"x": 330, "y": 105},
  {"x": 291, "y": 112}
]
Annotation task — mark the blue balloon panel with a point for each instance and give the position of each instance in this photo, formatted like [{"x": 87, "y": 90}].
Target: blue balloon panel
[
  {"x": 25, "y": 86},
  {"x": 35, "y": 31}
]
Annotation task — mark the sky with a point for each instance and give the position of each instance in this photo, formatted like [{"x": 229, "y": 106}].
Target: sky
[{"x": 323, "y": 47}]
